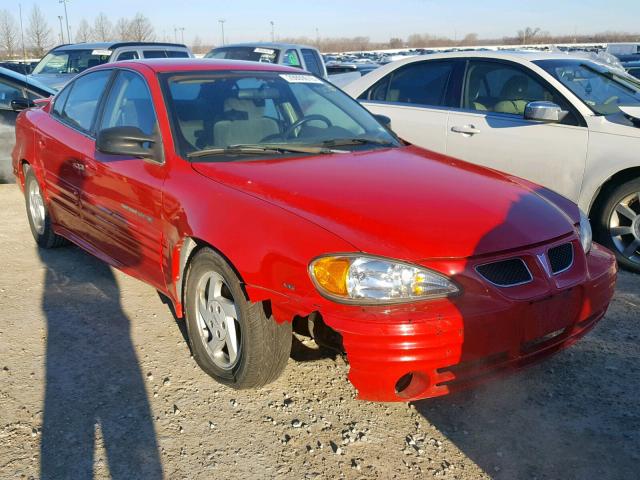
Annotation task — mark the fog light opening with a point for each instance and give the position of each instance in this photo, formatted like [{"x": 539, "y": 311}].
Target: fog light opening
[{"x": 403, "y": 382}]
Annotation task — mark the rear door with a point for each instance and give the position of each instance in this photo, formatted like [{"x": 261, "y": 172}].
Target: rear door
[
  {"x": 65, "y": 143},
  {"x": 417, "y": 97},
  {"x": 124, "y": 202},
  {"x": 490, "y": 129}
]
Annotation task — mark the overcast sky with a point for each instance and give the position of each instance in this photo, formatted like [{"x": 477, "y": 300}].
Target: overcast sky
[{"x": 377, "y": 19}]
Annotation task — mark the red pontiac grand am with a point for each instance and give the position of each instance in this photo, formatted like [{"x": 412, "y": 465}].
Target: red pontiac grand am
[{"x": 260, "y": 198}]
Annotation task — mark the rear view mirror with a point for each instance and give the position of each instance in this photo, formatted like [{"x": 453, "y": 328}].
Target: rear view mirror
[
  {"x": 383, "y": 120},
  {"x": 20, "y": 104},
  {"x": 544, "y": 112},
  {"x": 130, "y": 141}
]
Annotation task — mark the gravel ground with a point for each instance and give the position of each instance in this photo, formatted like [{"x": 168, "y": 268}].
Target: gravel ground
[{"x": 96, "y": 380}]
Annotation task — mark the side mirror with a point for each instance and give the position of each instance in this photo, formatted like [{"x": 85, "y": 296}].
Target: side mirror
[
  {"x": 20, "y": 104},
  {"x": 383, "y": 120},
  {"x": 544, "y": 112},
  {"x": 129, "y": 141}
]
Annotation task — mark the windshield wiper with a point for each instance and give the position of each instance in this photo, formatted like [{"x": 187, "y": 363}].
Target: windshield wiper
[
  {"x": 266, "y": 149},
  {"x": 357, "y": 141}
]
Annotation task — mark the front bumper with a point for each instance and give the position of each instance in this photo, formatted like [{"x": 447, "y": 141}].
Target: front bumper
[{"x": 446, "y": 345}]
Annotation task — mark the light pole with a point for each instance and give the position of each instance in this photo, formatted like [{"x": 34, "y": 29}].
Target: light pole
[
  {"x": 175, "y": 34},
  {"x": 222, "y": 29},
  {"x": 24, "y": 52},
  {"x": 61, "y": 32},
  {"x": 66, "y": 18},
  {"x": 181, "y": 33},
  {"x": 273, "y": 31}
]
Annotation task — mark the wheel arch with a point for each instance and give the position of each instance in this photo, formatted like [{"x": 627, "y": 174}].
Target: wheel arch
[{"x": 613, "y": 181}]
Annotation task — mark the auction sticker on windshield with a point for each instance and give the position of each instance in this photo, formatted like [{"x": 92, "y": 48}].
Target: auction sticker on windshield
[
  {"x": 295, "y": 78},
  {"x": 264, "y": 50},
  {"x": 101, "y": 52}
]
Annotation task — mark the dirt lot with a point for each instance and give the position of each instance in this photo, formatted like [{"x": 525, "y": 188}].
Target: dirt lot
[{"x": 96, "y": 379}]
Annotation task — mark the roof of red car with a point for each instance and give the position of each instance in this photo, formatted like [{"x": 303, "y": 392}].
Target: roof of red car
[{"x": 160, "y": 65}]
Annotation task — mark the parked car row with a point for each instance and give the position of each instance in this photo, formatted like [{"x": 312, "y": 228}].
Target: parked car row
[{"x": 259, "y": 198}]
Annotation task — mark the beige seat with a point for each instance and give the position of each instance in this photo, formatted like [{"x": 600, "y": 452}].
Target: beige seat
[
  {"x": 250, "y": 127},
  {"x": 473, "y": 92},
  {"x": 514, "y": 94}
]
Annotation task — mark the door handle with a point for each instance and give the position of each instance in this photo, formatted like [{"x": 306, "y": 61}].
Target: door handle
[{"x": 465, "y": 130}]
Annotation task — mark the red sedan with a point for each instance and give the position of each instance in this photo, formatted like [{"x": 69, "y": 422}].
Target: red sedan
[{"x": 260, "y": 198}]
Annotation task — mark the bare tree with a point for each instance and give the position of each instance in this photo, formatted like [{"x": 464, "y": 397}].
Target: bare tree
[
  {"x": 84, "y": 32},
  {"x": 527, "y": 35},
  {"x": 141, "y": 29},
  {"x": 38, "y": 32},
  {"x": 122, "y": 29},
  {"x": 8, "y": 34},
  {"x": 102, "y": 28}
]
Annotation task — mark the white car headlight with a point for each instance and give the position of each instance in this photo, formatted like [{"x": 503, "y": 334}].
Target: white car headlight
[
  {"x": 366, "y": 279},
  {"x": 586, "y": 236}
]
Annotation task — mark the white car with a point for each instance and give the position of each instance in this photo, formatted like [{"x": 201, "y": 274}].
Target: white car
[{"x": 567, "y": 123}]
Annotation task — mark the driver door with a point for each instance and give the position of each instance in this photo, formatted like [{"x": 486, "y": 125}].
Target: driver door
[{"x": 491, "y": 130}]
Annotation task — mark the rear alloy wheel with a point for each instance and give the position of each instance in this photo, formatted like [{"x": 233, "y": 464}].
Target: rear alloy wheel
[
  {"x": 232, "y": 339},
  {"x": 38, "y": 214},
  {"x": 620, "y": 224}
]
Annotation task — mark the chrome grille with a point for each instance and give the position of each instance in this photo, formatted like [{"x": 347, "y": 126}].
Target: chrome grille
[
  {"x": 506, "y": 273},
  {"x": 560, "y": 258}
]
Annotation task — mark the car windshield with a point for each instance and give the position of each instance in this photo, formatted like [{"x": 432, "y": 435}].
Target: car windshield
[
  {"x": 599, "y": 87},
  {"x": 71, "y": 61},
  {"x": 266, "y": 112},
  {"x": 251, "y": 54}
]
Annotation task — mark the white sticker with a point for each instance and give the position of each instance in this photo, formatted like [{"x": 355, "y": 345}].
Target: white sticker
[
  {"x": 295, "y": 78},
  {"x": 101, "y": 52},
  {"x": 264, "y": 50}
]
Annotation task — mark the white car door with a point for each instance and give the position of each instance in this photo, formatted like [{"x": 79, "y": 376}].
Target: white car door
[
  {"x": 416, "y": 98},
  {"x": 490, "y": 128}
]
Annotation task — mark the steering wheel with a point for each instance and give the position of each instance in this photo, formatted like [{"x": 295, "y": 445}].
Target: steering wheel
[
  {"x": 302, "y": 121},
  {"x": 610, "y": 100}
]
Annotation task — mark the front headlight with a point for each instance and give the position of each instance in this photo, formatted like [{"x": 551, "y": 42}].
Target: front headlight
[
  {"x": 373, "y": 280},
  {"x": 586, "y": 236}
]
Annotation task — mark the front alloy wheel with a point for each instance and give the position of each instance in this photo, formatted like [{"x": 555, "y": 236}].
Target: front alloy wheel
[
  {"x": 618, "y": 224},
  {"x": 235, "y": 341}
]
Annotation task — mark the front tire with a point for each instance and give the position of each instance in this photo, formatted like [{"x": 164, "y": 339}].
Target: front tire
[
  {"x": 38, "y": 213},
  {"x": 617, "y": 223},
  {"x": 232, "y": 340}
]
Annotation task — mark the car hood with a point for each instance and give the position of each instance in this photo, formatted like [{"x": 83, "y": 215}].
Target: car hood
[
  {"x": 51, "y": 80},
  {"x": 402, "y": 202}
]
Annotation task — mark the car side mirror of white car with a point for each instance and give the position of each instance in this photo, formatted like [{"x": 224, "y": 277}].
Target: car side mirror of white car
[{"x": 544, "y": 112}]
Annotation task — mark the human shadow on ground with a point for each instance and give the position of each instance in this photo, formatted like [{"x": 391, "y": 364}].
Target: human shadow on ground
[{"x": 93, "y": 377}]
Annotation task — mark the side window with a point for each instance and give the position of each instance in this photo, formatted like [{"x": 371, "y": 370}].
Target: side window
[
  {"x": 177, "y": 54},
  {"x": 420, "y": 83},
  {"x": 291, "y": 58},
  {"x": 502, "y": 88},
  {"x": 130, "y": 55},
  {"x": 60, "y": 100},
  {"x": 8, "y": 92},
  {"x": 154, "y": 53},
  {"x": 82, "y": 100},
  {"x": 129, "y": 104},
  {"x": 312, "y": 62}
]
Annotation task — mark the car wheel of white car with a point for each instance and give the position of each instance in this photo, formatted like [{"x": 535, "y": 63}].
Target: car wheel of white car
[
  {"x": 38, "y": 213},
  {"x": 231, "y": 339},
  {"x": 618, "y": 224}
]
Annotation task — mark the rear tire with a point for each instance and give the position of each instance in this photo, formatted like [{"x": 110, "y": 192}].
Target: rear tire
[
  {"x": 617, "y": 223},
  {"x": 232, "y": 340},
  {"x": 38, "y": 213}
]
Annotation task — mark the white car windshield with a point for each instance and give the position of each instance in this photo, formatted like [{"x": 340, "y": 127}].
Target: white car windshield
[
  {"x": 218, "y": 111},
  {"x": 599, "y": 87},
  {"x": 70, "y": 61}
]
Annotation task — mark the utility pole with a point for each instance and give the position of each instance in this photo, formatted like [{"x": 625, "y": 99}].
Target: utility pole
[
  {"x": 181, "y": 33},
  {"x": 61, "y": 32},
  {"x": 273, "y": 31},
  {"x": 222, "y": 28},
  {"x": 24, "y": 52},
  {"x": 66, "y": 17}
]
